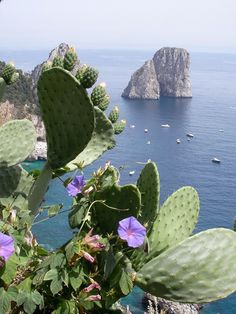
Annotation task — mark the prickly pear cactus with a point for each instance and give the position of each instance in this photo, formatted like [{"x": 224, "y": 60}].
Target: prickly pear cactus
[
  {"x": 198, "y": 270},
  {"x": 47, "y": 66},
  {"x": 120, "y": 202},
  {"x": 18, "y": 139},
  {"x": 114, "y": 114},
  {"x": 58, "y": 62},
  {"x": 2, "y": 87},
  {"x": 70, "y": 59},
  {"x": 149, "y": 186},
  {"x": 175, "y": 221},
  {"x": 68, "y": 116},
  {"x": 104, "y": 103},
  {"x": 80, "y": 72},
  {"x": 98, "y": 94},
  {"x": 8, "y": 72},
  {"x": 102, "y": 139},
  {"x": 119, "y": 126},
  {"x": 88, "y": 77}
]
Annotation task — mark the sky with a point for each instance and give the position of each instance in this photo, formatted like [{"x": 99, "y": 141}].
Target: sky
[{"x": 197, "y": 25}]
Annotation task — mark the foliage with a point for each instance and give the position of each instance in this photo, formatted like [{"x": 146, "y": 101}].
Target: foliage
[{"x": 122, "y": 236}]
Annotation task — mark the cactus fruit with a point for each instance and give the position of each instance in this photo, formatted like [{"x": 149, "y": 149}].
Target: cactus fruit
[
  {"x": 18, "y": 139},
  {"x": 88, "y": 77},
  {"x": 114, "y": 114},
  {"x": 70, "y": 59},
  {"x": 105, "y": 103},
  {"x": 14, "y": 78},
  {"x": 58, "y": 62},
  {"x": 2, "y": 87},
  {"x": 47, "y": 66},
  {"x": 102, "y": 139},
  {"x": 119, "y": 126},
  {"x": 80, "y": 72},
  {"x": 8, "y": 72},
  {"x": 98, "y": 94},
  {"x": 149, "y": 185},
  {"x": 124, "y": 200},
  {"x": 175, "y": 221},
  {"x": 198, "y": 270},
  {"x": 67, "y": 113}
]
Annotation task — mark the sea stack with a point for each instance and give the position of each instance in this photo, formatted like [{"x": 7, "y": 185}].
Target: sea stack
[{"x": 166, "y": 74}]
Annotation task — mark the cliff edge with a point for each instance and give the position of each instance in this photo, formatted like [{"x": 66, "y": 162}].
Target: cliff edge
[{"x": 166, "y": 74}]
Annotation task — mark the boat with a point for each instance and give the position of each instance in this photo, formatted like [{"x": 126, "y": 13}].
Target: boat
[
  {"x": 132, "y": 126},
  {"x": 145, "y": 130},
  {"x": 215, "y": 160},
  {"x": 221, "y": 130},
  {"x": 165, "y": 125},
  {"x": 190, "y": 135},
  {"x": 131, "y": 172},
  {"x": 178, "y": 141},
  {"x": 148, "y": 142}
]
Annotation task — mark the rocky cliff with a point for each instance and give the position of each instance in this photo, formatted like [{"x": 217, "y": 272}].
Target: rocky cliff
[{"x": 166, "y": 74}]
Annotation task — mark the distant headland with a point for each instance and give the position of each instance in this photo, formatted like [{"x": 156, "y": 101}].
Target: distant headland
[{"x": 166, "y": 74}]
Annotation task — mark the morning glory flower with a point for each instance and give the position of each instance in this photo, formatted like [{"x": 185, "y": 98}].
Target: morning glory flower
[
  {"x": 76, "y": 185},
  {"x": 6, "y": 246},
  {"x": 131, "y": 230}
]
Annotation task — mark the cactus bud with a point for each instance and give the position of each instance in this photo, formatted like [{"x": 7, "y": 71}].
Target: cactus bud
[
  {"x": 89, "y": 77},
  {"x": 98, "y": 94},
  {"x": 80, "y": 72},
  {"x": 119, "y": 126},
  {"x": 114, "y": 114},
  {"x": 8, "y": 72},
  {"x": 58, "y": 62},
  {"x": 105, "y": 103},
  {"x": 70, "y": 59}
]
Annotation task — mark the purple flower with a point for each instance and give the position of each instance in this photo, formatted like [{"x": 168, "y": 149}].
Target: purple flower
[
  {"x": 6, "y": 246},
  {"x": 76, "y": 185},
  {"x": 132, "y": 231}
]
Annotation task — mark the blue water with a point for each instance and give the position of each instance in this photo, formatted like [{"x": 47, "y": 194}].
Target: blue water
[{"x": 213, "y": 107}]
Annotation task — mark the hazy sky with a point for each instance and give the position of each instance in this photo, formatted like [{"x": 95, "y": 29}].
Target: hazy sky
[{"x": 198, "y": 25}]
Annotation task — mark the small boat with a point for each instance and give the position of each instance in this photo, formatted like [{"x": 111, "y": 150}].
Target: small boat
[
  {"x": 216, "y": 160},
  {"x": 178, "y": 141},
  {"x": 131, "y": 172},
  {"x": 145, "y": 130},
  {"x": 165, "y": 125},
  {"x": 190, "y": 135},
  {"x": 148, "y": 142},
  {"x": 132, "y": 126},
  {"x": 221, "y": 130}
]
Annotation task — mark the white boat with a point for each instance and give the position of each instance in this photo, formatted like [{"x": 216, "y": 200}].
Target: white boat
[
  {"x": 132, "y": 126},
  {"x": 131, "y": 172},
  {"x": 148, "y": 142},
  {"x": 178, "y": 141},
  {"x": 190, "y": 135},
  {"x": 221, "y": 130},
  {"x": 216, "y": 160},
  {"x": 165, "y": 125},
  {"x": 145, "y": 130}
]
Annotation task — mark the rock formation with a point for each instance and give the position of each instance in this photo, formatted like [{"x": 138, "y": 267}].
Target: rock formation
[{"x": 167, "y": 74}]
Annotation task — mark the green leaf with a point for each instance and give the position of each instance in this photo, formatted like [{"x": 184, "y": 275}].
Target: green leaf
[
  {"x": 11, "y": 267},
  {"x": 125, "y": 283},
  {"x": 27, "y": 300},
  {"x": 54, "y": 210},
  {"x": 77, "y": 215},
  {"x": 51, "y": 274},
  {"x": 56, "y": 285},
  {"x": 66, "y": 307},
  {"x": 58, "y": 260},
  {"x": 75, "y": 280},
  {"x": 6, "y": 297}
]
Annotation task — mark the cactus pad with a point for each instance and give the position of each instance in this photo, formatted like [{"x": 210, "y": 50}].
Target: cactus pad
[
  {"x": 175, "y": 221},
  {"x": 17, "y": 138},
  {"x": 102, "y": 139},
  {"x": 15, "y": 184},
  {"x": 2, "y": 87},
  {"x": 8, "y": 72},
  {"x": 127, "y": 198},
  {"x": 200, "y": 269},
  {"x": 149, "y": 185},
  {"x": 39, "y": 189},
  {"x": 67, "y": 113}
]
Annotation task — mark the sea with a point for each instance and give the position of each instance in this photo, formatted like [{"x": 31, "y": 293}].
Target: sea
[{"x": 210, "y": 116}]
